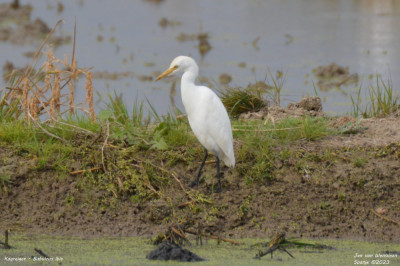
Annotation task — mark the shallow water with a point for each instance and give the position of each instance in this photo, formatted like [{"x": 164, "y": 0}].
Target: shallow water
[
  {"x": 293, "y": 36},
  {"x": 133, "y": 251}
]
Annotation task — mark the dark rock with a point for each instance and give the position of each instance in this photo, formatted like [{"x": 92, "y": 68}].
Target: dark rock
[{"x": 170, "y": 251}]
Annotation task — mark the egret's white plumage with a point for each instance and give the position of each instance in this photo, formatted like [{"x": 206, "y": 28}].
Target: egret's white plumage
[{"x": 206, "y": 113}]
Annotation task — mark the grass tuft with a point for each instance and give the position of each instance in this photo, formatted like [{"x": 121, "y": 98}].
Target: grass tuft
[
  {"x": 382, "y": 100},
  {"x": 242, "y": 100}
]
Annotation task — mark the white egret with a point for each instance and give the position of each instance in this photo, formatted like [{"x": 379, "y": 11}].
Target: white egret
[{"x": 206, "y": 113}]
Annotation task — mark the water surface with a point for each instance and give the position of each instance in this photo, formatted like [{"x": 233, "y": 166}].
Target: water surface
[
  {"x": 290, "y": 36},
  {"x": 133, "y": 251}
]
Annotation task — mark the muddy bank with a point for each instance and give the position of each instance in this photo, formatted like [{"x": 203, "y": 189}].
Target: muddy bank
[{"x": 341, "y": 186}]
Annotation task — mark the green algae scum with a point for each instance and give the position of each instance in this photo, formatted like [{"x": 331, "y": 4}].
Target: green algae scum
[{"x": 133, "y": 251}]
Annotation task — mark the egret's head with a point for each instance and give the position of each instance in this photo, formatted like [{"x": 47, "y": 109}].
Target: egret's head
[{"x": 179, "y": 64}]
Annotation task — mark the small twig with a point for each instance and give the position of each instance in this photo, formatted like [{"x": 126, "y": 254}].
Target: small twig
[
  {"x": 79, "y": 128},
  {"x": 84, "y": 171},
  {"x": 44, "y": 130},
  {"x": 207, "y": 162},
  {"x": 104, "y": 144},
  {"x": 385, "y": 218},
  {"x": 214, "y": 237},
  {"x": 265, "y": 130},
  {"x": 184, "y": 204},
  {"x": 41, "y": 253}
]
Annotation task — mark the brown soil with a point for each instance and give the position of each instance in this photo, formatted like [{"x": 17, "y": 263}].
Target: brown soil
[{"x": 345, "y": 186}]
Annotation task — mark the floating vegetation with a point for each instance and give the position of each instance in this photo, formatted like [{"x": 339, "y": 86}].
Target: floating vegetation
[
  {"x": 225, "y": 78},
  {"x": 334, "y": 76},
  {"x": 16, "y": 26},
  {"x": 112, "y": 75},
  {"x": 164, "y": 22},
  {"x": 203, "y": 46}
]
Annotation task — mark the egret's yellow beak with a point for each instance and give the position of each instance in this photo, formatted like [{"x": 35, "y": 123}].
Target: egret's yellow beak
[{"x": 166, "y": 72}]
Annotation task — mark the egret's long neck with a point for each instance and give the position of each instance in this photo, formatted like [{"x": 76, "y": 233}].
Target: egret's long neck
[
  {"x": 188, "y": 88},
  {"x": 190, "y": 75}
]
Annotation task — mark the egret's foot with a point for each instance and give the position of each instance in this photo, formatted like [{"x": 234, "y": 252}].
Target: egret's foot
[
  {"x": 218, "y": 189},
  {"x": 194, "y": 183}
]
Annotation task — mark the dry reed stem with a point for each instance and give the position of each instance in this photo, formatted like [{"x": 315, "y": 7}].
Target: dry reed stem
[
  {"x": 57, "y": 91},
  {"x": 44, "y": 130},
  {"x": 43, "y": 104},
  {"x": 71, "y": 87},
  {"x": 48, "y": 68},
  {"x": 34, "y": 107},
  {"x": 32, "y": 64},
  {"x": 52, "y": 104},
  {"x": 89, "y": 94}
]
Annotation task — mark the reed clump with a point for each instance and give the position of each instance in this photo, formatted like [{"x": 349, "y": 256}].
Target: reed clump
[
  {"x": 383, "y": 100},
  {"x": 35, "y": 93}
]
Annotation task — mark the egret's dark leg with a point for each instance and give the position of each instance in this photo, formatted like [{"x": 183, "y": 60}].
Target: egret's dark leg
[
  {"x": 219, "y": 189},
  {"x": 196, "y": 181}
]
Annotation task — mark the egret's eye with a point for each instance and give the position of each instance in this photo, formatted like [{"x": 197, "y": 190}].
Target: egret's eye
[{"x": 175, "y": 67}]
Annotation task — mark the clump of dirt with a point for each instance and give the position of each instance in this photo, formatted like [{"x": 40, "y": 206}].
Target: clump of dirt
[
  {"x": 170, "y": 251},
  {"x": 310, "y": 106},
  {"x": 16, "y": 27},
  {"x": 334, "y": 76}
]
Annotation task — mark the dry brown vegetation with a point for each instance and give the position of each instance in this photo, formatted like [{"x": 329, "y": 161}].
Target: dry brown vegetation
[{"x": 42, "y": 92}]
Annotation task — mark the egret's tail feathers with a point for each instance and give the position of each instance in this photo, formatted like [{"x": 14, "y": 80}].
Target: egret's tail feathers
[{"x": 229, "y": 160}]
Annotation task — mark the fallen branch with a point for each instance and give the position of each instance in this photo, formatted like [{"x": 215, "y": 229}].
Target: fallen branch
[
  {"x": 41, "y": 253},
  {"x": 385, "y": 218}
]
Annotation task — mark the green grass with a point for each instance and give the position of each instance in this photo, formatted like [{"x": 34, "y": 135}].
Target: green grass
[
  {"x": 382, "y": 100},
  {"x": 136, "y": 153},
  {"x": 242, "y": 100},
  {"x": 259, "y": 143}
]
